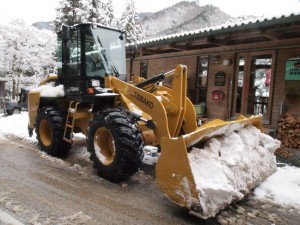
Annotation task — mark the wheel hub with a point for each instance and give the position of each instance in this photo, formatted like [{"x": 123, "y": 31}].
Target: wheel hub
[
  {"x": 45, "y": 132},
  {"x": 104, "y": 146}
]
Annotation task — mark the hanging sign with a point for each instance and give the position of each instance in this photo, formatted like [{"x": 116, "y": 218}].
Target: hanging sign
[
  {"x": 220, "y": 78},
  {"x": 292, "y": 70}
]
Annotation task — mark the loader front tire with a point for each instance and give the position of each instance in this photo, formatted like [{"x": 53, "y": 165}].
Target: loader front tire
[
  {"x": 49, "y": 132},
  {"x": 116, "y": 144}
]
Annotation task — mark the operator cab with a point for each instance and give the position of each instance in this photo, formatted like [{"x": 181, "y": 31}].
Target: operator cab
[{"x": 86, "y": 54}]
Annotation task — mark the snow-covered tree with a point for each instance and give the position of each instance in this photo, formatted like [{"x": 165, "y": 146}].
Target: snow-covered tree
[
  {"x": 1, "y": 54},
  {"x": 28, "y": 53},
  {"x": 105, "y": 12},
  {"x": 89, "y": 10},
  {"x": 130, "y": 22},
  {"x": 68, "y": 13},
  {"x": 110, "y": 16},
  {"x": 81, "y": 11}
]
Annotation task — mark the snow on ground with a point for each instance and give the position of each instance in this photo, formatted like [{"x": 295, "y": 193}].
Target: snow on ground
[
  {"x": 282, "y": 188},
  {"x": 17, "y": 125},
  {"x": 5, "y": 218}
]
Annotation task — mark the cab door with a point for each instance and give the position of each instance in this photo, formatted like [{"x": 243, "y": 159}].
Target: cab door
[{"x": 71, "y": 63}]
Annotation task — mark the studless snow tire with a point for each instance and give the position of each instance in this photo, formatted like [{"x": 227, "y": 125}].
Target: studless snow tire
[
  {"x": 49, "y": 132},
  {"x": 116, "y": 144}
]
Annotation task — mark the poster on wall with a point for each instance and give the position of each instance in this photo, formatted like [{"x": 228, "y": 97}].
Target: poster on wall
[
  {"x": 292, "y": 70},
  {"x": 220, "y": 78}
]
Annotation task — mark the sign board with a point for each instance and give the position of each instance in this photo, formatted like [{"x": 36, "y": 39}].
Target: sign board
[
  {"x": 220, "y": 78},
  {"x": 292, "y": 69}
]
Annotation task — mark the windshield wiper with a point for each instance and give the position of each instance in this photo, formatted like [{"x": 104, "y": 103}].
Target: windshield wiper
[{"x": 107, "y": 59}]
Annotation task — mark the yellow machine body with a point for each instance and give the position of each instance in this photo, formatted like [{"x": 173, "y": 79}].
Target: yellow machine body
[{"x": 176, "y": 130}]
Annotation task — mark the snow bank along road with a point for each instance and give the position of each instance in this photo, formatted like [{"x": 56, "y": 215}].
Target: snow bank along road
[{"x": 38, "y": 189}]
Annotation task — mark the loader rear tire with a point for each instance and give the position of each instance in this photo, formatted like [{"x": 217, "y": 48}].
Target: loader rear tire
[
  {"x": 49, "y": 132},
  {"x": 116, "y": 144}
]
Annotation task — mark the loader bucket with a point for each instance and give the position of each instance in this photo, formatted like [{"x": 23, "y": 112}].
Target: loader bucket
[{"x": 217, "y": 164}]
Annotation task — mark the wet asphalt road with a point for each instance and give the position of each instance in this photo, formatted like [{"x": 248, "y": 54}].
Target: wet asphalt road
[{"x": 38, "y": 189}]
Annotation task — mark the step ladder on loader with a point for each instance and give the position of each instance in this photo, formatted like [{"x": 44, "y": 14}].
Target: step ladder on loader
[{"x": 70, "y": 121}]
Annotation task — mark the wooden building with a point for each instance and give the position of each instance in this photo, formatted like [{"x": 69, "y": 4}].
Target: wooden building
[{"x": 247, "y": 68}]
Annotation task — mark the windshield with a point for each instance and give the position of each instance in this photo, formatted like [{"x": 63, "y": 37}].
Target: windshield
[{"x": 105, "y": 53}]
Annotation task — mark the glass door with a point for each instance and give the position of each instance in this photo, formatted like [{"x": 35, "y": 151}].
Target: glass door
[
  {"x": 201, "y": 84},
  {"x": 253, "y": 84}
]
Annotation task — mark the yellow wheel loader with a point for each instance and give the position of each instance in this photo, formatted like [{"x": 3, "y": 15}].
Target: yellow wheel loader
[{"x": 90, "y": 95}]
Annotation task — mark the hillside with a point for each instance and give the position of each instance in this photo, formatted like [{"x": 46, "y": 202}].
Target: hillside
[
  {"x": 44, "y": 25},
  {"x": 181, "y": 17},
  {"x": 170, "y": 17},
  {"x": 207, "y": 16}
]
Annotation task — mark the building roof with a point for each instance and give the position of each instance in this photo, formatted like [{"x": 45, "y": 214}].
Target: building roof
[
  {"x": 4, "y": 79},
  {"x": 230, "y": 33}
]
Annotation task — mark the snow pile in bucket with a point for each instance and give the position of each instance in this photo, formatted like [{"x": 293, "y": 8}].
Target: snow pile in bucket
[
  {"x": 229, "y": 166},
  {"x": 49, "y": 90}
]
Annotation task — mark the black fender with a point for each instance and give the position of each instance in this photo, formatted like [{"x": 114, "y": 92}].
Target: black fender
[{"x": 103, "y": 100}]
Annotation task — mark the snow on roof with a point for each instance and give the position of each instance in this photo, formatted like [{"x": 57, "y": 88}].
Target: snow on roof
[{"x": 224, "y": 27}]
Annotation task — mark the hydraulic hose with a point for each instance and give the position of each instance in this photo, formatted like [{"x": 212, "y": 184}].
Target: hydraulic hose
[{"x": 152, "y": 80}]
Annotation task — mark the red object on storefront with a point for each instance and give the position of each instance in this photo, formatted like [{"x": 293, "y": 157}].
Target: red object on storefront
[{"x": 217, "y": 95}]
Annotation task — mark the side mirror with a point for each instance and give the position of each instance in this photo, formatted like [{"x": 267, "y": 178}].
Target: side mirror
[{"x": 122, "y": 34}]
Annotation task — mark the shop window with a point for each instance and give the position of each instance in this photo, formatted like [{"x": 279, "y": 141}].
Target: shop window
[
  {"x": 202, "y": 71},
  {"x": 259, "y": 83},
  {"x": 201, "y": 80}
]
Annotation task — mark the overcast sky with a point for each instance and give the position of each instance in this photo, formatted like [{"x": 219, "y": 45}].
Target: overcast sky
[{"x": 44, "y": 10}]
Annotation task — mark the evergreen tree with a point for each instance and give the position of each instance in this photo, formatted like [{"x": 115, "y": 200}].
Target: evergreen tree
[
  {"x": 130, "y": 22},
  {"x": 90, "y": 11},
  {"x": 102, "y": 11},
  {"x": 81, "y": 11},
  {"x": 111, "y": 21},
  {"x": 68, "y": 13}
]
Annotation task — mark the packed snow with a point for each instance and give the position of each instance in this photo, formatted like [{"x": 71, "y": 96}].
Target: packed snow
[
  {"x": 282, "y": 188},
  {"x": 237, "y": 162},
  {"x": 5, "y": 218},
  {"x": 50, "y": 90}
]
